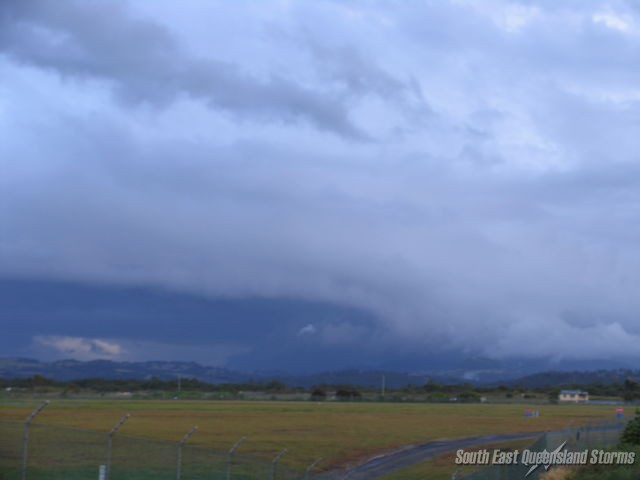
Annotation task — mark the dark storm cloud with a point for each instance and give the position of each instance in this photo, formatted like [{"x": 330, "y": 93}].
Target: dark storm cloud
[
  {"x": 90, "y": 322},
  {"x": 493, "y": 212}
]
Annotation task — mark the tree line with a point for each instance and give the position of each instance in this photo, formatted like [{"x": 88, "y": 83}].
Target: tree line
[{"x": 628, "y": 390}]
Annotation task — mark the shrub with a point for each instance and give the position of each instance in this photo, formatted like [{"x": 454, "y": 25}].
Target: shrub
[
  {"x": 631, "y": 434},
  {"x": 318, "y": 395},
  {"x": 469, "y": 397},
  {"x": 346, "y": 394}
]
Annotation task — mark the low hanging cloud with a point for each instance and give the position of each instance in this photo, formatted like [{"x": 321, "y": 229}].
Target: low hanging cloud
[
  {"x": 308, "y": 329},
  {"x": 467, "y": 173},
  {"x": 80, "y": 348},
  {"x": 54, "y": 347}
]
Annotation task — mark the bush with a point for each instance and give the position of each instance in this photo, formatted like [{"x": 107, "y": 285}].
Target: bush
[
  {"x": 609, "y": 472},
  {"x": 346, "y": 394},
  {"x": 631, "y": 434},
  {"x": 318, "y": 395},
  {"x": 469, "y": 397},
  {"x": 432, "y": 386},
  {"x": 438, "y": 397}
]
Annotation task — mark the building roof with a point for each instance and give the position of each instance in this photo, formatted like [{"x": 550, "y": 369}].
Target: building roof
[{"x": 573, "y": 392}]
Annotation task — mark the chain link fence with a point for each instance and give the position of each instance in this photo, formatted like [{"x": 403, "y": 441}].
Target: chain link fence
[
  {"x": 64, "y": 453},
  {"x": 598, "y": 435}
]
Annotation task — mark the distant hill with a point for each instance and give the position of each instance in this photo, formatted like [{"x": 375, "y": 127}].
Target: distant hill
[
  {"x": 555, "y": 378},
  {"x": 75, "y": 369}
]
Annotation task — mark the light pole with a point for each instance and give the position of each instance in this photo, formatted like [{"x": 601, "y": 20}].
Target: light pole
[
  {"x": 230, "y": 455},
  {"x": 110, "y": 444},
  {"x": 25, "y": 437},
  {"x": 180, "y": 445}
]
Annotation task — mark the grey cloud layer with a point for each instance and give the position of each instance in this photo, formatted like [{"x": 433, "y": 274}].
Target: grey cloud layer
[
  {"x": 493, "y": 208},
  {"x": 146, "y": 64}
]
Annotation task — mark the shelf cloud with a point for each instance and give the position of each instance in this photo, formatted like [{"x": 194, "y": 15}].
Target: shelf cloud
[{"x": 463, "y": 175}]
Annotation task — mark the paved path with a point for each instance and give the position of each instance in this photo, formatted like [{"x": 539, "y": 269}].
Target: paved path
[{"x": 382, "y": 465}]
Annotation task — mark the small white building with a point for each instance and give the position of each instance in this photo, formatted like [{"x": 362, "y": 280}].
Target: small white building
[{"x": 576, "y": 396}]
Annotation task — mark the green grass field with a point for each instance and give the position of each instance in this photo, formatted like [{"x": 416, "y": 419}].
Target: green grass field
[{"x": 341, "y": 433}]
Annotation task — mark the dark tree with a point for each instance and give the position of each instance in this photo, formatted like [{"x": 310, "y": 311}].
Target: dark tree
[
  {"x": 318, "y": 394},
  {"x": 348, "y": 394},
  {"x": 631, "y": 434}
]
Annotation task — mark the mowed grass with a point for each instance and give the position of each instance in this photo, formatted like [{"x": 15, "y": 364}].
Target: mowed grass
[{"x": 341, "y": 433}]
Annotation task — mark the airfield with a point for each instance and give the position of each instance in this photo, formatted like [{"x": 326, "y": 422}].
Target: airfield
[{"x": 342, "y": 434}]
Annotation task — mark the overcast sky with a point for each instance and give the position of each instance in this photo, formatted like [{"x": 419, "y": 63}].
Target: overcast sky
[{"x": 405, "y": 177}]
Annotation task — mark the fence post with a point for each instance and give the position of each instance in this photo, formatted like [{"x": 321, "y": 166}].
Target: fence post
[
  {"x": 274, "y": 463},
  {"x": 115, "y": 428},
  {"x": 25, "y": 437},
  {"x": 310, "y": 467},
  {"x": 230, "y": 456},
  {"x": 180, "y": 445}
]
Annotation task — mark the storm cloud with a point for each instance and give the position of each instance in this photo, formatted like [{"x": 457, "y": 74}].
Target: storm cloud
[{"x": 464, "y": 174}]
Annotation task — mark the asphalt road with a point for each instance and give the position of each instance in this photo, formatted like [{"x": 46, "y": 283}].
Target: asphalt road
[{"x": 382, "y": 465}]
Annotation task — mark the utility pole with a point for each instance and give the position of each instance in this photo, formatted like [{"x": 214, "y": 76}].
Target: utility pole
[{"x": 383, "y": 385}]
